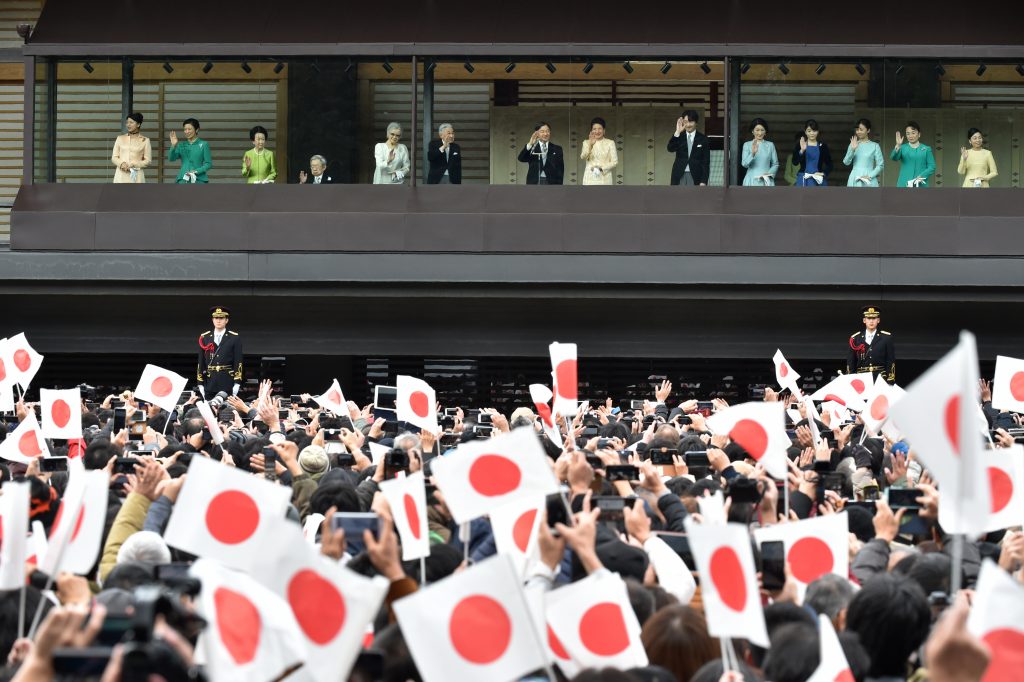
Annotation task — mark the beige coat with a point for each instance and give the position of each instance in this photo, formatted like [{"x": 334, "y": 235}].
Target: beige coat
[
  {"x": 979, "y": 164},
  {"x": 133, "y": 150},
  {"x": 602, "y": 156}
]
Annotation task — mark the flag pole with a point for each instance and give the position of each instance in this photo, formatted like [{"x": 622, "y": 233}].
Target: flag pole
[
  {"x": 21, "y": 611},
  {"x": 726, "y": 667},
  {"x": 423, "y": 571},
  {"x": 464, "y": 535},
  {"x": 785, "y": 498},
  {"x": 958, "y": 561}
]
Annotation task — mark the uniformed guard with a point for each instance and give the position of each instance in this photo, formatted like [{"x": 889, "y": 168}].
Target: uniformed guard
[
  {"x": 220, "y": 357},
  {"x": 872, "y": 349}
]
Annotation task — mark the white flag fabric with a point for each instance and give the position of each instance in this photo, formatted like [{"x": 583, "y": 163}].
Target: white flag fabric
[
  {"x": 997, "y": 619},
  {"x": 878, "y": 401},
  {"x": 61, "y": 412},
  {"x": 760, "y": 429},
  {"x": 22, "y": 361},
  {"x": 26, "y": 442},
  {"x": 211, "y": 421},
  {"x": 541, "y": 396},
  {"x": 1008, "y": 384},
  {"x": 331, "y": 604},
  {"x": 333, "y": 399},
  {"x": 712, "y": 508},
  {"x": 81, "y": 531},
  {"x": 1005, "y": 473},
  {"x": 813, "y": 547},
  {"x": 515, "y": 527},
  {"x": 482, "y": 475},
  {"x": 14, "y": 505},
  {"x": 832, "y": 665},
  {"x": 594, "y": 622},
  {"x": 407, "y": 497},
  {"x": 848, "y": 390},
  {"x": 7, "y": 380},
  {"x": 938, "y": 416},
  {"x": 311, "y": 526},
  {"x": 673, "y": 573},
  {"x": 416, "y": 403},
  {"x": 160, "y": 386},
  {"x": 838, "y": 414},
  {"x": 473, "y": 625},
  {"x": 729, "y": 589},
  {"x": 564, "y": 375},
  {"x": 553, "y": 649},
  {"x": 226, "y": 514},
  {"x": 785, "y": 375},
  {"x": 251, "y": 634}
]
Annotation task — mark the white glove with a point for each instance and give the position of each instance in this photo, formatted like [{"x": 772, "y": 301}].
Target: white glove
[
  {"x": 234, "y": 389},
  {"x": 596, "y": 171},
  {"x": 399, "y": 176}
]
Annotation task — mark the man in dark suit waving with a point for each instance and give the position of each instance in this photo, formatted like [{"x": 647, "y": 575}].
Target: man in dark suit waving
[
  {"x": 445, "y": 158},
  {"x": 693, "y": 153},
  {"x": 547, "y": 166}
]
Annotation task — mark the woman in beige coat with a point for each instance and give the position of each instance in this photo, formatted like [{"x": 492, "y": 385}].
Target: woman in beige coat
[
  {"x": 599, "y": 153},
  {"x": 977, "y": 165},
  {"x": 132, "y": 152}
]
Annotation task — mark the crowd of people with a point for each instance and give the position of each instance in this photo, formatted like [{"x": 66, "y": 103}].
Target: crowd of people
[
  {"x": 808, "y": 165},
  {"x": 896, "y": 611}
]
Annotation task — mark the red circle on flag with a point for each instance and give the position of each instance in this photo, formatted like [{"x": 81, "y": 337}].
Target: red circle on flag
[
  {"x": 603, "y": 629},
  {"x": 238, "y": 623},
  {"x": 334, "y": 397},
  {"x": 565, "y": 379},
  {"x": 879, "y": 408},
  {"x": 60, "y": 413},
  {"x": 28, "y": 444},
  {"x": 783, "y": 370},
  {"x": 834, "y": 398},
  {"x": 555, "y": 645},
  {"x": 232, "y": 517},
  {"x": 420, "y": 404},
  {"x": 858, "y": 385},
  {"x": 1016, "y": 385},
  {"x": 161, "y": 387},
  {"x": 544, "y": 412},
  {"x": 22, "y": 360},
  {"x": 493, "y": 475},
  {"x": 1007, "y": 648},
  {"x": 845, "y": 676},
  {"x": 3, "y": 370},
  {"x": 480, "y": 629},
  {"x": 1, "y": 530},
  {"x": 1001, "y": 487},
  {"x": 78, "y": 522},
  {"x": 809, "y": 559},
  {"x": 750, "y": 436},
  {"x": 318, "y": 606},
  {"x": 412, "y": 515},
  {"x": 952, "y": 416},
  {"x": 727, "y": 577},
  {"x": 522, "y": 529}
]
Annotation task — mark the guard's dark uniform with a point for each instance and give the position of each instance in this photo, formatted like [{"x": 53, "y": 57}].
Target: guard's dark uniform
[
  {"x": 878, "y": 357},
  {"x": 219, "y": 367}
]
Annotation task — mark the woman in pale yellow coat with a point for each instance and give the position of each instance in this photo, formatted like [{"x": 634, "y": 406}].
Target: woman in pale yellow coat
[
  {"x": 132, "y": 152},
  {"x": 599, "y": 153},
  {"x": 977, "y": 165}
]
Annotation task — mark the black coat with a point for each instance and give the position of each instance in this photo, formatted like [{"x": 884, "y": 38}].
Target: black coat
[
  {"x": 699, "y": 161},
  {"x": 554, "y": 166},
  {"x": 824, "y": 160},
  {"x": 439, "y": 164},
  {"x": 227, "y": 358},
  {"x": 880, "y": 356},
  {"x": 325, "y": 179}
]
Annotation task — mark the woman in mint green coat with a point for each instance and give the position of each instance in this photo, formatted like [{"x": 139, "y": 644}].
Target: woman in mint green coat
[
  {"x": 866, "y": 157},
  {"x": 917, "y": 163}
]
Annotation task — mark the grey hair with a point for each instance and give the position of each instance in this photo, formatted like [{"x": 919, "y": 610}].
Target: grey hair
[
  {"x": 402, "y": 438},
  {"x": 440, "y": 128},
  {"x": 829, "y": 594},
  {"x": 317, "y": 157},
  {"x": 393, "y": 126}
]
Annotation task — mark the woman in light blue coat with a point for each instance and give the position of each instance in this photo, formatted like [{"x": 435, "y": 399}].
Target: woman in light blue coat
[
  {"x": 759, "y": 157},
  {"x": 866, "y": 157}
]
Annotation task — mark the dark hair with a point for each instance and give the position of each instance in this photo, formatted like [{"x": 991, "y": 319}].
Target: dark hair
[
  {"x": 864, "y": 122},
  {"x": 99, "y": 453},
  {"x": 336, "y": 494},
  {"x": 891, "y": 617},
  {"x": 776, "y": 616},
  {"x": 676, "y": 638},
  {"x": 190, "y": 121},
  {"x": 691, "y": 115},
  {"x": 794, "y": 655},
  {"x": 135, "y": 116},
  {"x": 759, "y": 122},
  {"x": 931, "y": 571},
  {"x": 544, "y": 123},
  {"x": 640, "y": 599},
  {"x": 914, "y": 125},
  {"x": 258, "y": 129},
  {"x": 598, "y": 119},
  {"x": 971, "y": 131},
  {"x": 812, "y": 124},
  {"x": 128, "y": 575}
]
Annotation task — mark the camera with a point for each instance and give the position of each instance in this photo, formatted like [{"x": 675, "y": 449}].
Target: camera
[{"x": 218, "y": 400}]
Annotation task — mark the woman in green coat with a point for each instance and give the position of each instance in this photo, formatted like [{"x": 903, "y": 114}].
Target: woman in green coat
[
  {"x": 258, "y": 163},
  {"x": 194, "y": 154},
  {"x": 917, "y": 163}
]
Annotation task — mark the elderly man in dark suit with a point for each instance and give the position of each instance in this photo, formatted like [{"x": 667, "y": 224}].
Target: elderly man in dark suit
[
  {"x": 445, "y": 158},
  {"x": 317, "y": 172},
  {"x": 547, "y": 166},
  {"x": 693, "y": 152}
]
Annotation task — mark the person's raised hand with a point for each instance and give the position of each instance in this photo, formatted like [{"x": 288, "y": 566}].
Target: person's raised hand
[
  {"x": 650, "y": 478},
  {"x": 1002, "y": 439},
  {"x": 303, "y": 177},
  {"x": 985, "y": 388},
  {"x": 376, "y": 429},
  {"x": 552, "y": 547},
  {"x": 887, "y": 524},
  {"x": 770, "y": 395},
  {"x": 804, "y": 438},
  {"x": 803, "y": 144},
  {"x": 174, "y": 138},
  {"x": 1011, "y": 555},
  {"x": 248, "y": 161},
  {"x": 929, "y": 501},
  {"x": 963, "y": 153},
  {"x": 170, "y": 488},
  {"x": 149, "y": 473},
  {"x": 268, "y": 413},
  {"x": 899, "y": 138},
  {"x": 332, "y": 542},
  {"x": 854, "y": 143},
  {"x": 638, "y": 523},
  {"x": 384, "y": 553},
  {"x": 952, "y": 653},
  {"x": 806, "y": 457},
  {"x": 582, "y": 537},
  {"x": 663, "y": 391},
  {"x": 899, "y": 468},
  {"x": 288, "y": 454},
  {"x": 580, "y": 474},
  {"x": 72, "y": 589}
]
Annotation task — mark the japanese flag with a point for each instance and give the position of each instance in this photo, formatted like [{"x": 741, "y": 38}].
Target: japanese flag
[
  {"x": 732, "y": 600},
  {"x": 482, "y": 475},
  {"x": 515, "y": 527},
  {"x": 712, "y": 508},
  {"x": 838, "y": 414},
  {"x": 563, "y": 371},
  {"x": 594, "y": 622},
  {"x": 21, "y": 360},
  {"x": 225, "y": 514},
  {"x": 878, "y": 400},
  {"x": 251, "y": 634},
  {"x": 160, "y": 386},
  {"x": 848, "y": 390},
  {"x": 417, "y": 404},
  {"x": 26, "y": 442},
  {"x": 211, "y": 421},
  {"x": 541, "y": 396},
  {"x": 938, "y": 416},
  {"x": 832, "y": 665},
  {"x": 785, "y": 375},
  {"x": 7, "y": 380},
  {"x": 473, "y": 625},
  {"x": 333, "y": 400},
  {"x": 758, "y": 428},
  {"x": 1008, "y": 386},
  {"x": 814, "y": 547},
  {"x": 1005, "y": 473},
  {"x": 61, "y": 412},
  {"x": 77, "y": 533},
  {"x": 14, "y": 533},
  {"x": 556, "y": 653},
  {"x": 997, "y": 619},
  {"x": 812, "y": 419},
  {"x": 331, "y": 604},
  {"x": 407, "y": 498}
]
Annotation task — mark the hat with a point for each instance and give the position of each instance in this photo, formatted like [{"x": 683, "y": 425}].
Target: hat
[
  {"x": 872, "y": 312},
  {"x": 219, "y": 311},
  {"x": 314, "y": 461}
]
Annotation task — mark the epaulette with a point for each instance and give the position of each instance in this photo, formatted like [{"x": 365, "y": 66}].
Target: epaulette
[
  {"x": 205, "y": 334},
  {"x": 884, "y": 332},
  {"x": 236, "y": 333},
  {"x": 855, "y": 335}
]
